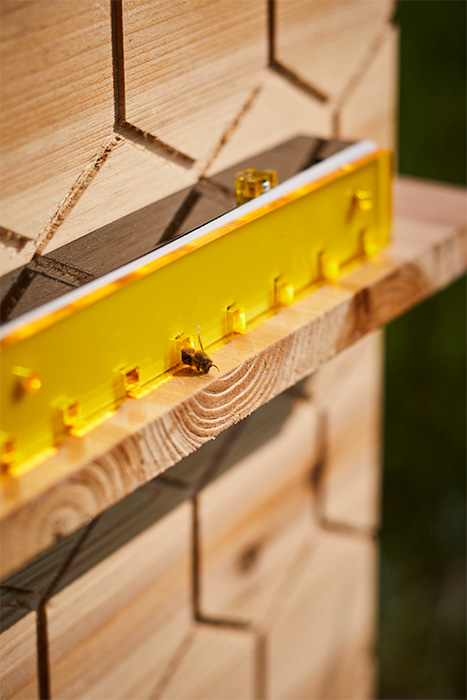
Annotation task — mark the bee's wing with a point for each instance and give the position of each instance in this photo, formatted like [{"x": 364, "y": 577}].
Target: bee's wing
[{"x": 199, "y": 340}]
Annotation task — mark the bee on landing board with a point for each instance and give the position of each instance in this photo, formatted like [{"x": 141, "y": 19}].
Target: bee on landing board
[{"x": 198, "y": 359}]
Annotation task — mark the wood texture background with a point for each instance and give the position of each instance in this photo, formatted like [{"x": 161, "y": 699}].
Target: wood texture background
[
  {"x": 142, "y": 107},
  {"x": 262, "y": 583}
]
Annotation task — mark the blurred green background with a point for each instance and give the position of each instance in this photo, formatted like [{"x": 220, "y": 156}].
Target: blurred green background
[{"x": 422, "y": 626}]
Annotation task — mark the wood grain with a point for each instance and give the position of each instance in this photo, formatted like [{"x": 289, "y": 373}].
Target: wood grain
[
  {"x": 279, "y": 112},
  {"x": 51, "y": 53},
  {"x": 319, "y": 642},
  {"x": 114, "y": 630},
  {"x": 219, "y": 664},
  {"x": 74, "y": 555},
  {"x": 68, "y": 170},
  {"x": 326, "y": 43},
  {"x": 131, "y": 178},
  {"x": 188, "y": 86},
  {"x": 232, "y": 446},
  {"x": 15, "y": 250},
  {"x": 254, "y": 519},
  {"x": 429, "y": 202},
  {"x": 348, "y": 389},
  {"x": 148, "y": 435},
  {"x": 18, "y": 661},
  {"x": 369, "y": 109}
]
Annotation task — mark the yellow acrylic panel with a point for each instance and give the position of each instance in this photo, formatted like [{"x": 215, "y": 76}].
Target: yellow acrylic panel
[{"x": 81, "y": 361}]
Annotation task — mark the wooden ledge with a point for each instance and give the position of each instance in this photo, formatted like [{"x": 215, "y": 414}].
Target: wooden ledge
[{"x": 147, "y": 436}]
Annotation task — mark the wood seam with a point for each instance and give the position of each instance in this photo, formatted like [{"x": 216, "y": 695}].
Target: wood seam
[
  {"x": 78, "y": 188},
  {"x": 42, "y": 634},
  {"x": 261, "y": 666},
  {"x": 347, "y": 530},
  {"x": 60, "y": 271},
  {"x": 298, "y": 82},
  {"x": 48, "y": 276},
  {"x": 43, "y": 661},
  {"x": 12, "y": 239},
  {"x": 357, "y": 76},
  {"x": 318, "y": 473},
  {"x": 122, "y": 127},
  {"x": 319, "y": 467},
  {"x": 271, "y": 29},
  {"x": 173, "y": 665},
  {"x": 280, "y": 68},
  {"x": 118, "y": 61},
  {"x": 153, "y": 143},
  {"x": 232, "y": 625},
  {"x": 318, "y": 476},
  {"x": 232, "y": 127}
]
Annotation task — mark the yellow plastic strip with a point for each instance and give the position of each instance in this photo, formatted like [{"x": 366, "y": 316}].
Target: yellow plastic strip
[{"x": 64, "y": 372}]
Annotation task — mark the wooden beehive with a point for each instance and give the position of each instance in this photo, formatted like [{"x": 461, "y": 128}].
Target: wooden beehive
[{"x": 260, "y": 582}]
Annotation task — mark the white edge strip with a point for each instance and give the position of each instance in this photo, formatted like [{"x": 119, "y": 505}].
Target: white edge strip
[{"x": 347, "y": 155}]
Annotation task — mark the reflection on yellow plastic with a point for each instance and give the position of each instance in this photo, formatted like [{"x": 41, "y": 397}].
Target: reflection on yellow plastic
[
  {"x": 251, "y": 183},
  {"x": 285, "y": 293},
  {"x": 369, "y": 244},
  {"x": 133, "y": 325},
  {"x": 69, "y": 412},
  {"x": 363, "y": 199},
  {"x": 131, "y": 382},
  {"x": 28, "y": 381},
  {"x": 237, "y": 318},
  {"x": 7, "y": 454},
  {"x": 185, "y": 341},
  {"x": 330, "y": 267}
]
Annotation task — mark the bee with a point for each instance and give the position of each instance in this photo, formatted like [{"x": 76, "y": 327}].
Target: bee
[{"x": 198, "y": 359}]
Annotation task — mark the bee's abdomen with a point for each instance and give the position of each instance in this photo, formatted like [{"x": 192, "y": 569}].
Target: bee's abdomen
[{"x": 188, "y": 355}]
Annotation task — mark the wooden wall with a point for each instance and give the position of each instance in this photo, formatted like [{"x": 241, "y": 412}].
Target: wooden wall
[
  {"x": 262, "y": 582},
  {"x": 108, "y": 108}
]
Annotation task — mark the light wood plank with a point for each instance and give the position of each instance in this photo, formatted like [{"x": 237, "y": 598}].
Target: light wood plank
[
  {"x": 114, "y": 630},
  {"x": 254, "y": 519},
  {"x": 14, "y": 252},
  {"x": 89, "y": 474},
  {"x": 279, "y": 113},
  {"x": 74, "y": 555},
  {"x": 319, "y": 641},
  {"x": 326, "y": 42},
  {"x": 370, "y": 109},
  {"x": 232, "y": 446},
  {"x": 18, "y": 661},
  {"x": 219, "y": 664},
  {"x": 188, "y": 86},
  {"x": 131, "y": 178},
  {"x": 430, "y": 202},
  {"x": 57, "y": 103},
  {"x": 348, "y": 389}
]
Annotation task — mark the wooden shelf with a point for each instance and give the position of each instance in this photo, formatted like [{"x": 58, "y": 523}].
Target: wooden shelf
[{"x": 148, "y": 435}]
